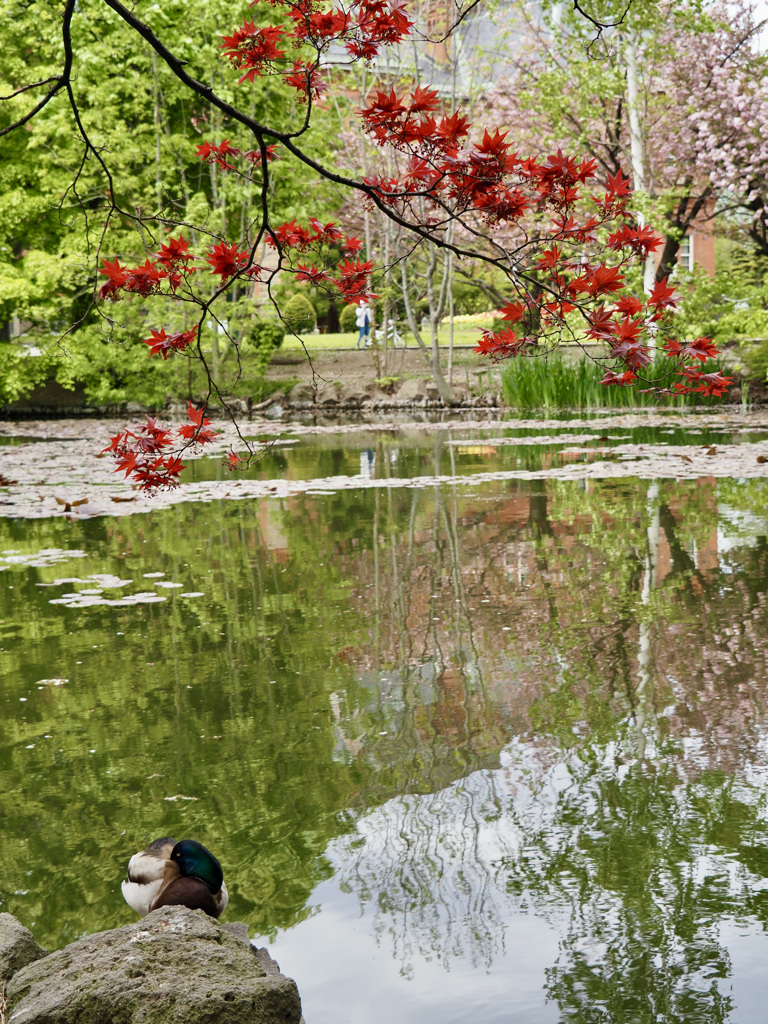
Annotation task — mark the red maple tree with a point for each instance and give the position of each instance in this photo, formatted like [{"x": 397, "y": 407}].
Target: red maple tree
[{"x": 563, "y": 243}]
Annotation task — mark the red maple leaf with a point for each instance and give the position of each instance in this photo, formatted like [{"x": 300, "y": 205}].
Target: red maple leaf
[
  {"x": 211, "y": 153},
  {"x": 640, "y": 240},
  {"x": 423, "y": 99},
  {"x": 253, "y": 48},
  {"x": 310, "y": 274},
  {"x": 117, "y": 277},
  {"x": 513, "y": 311},
  {"x": 163, "y": 344},
  {"x": 195, "y": 430},
  {"x": 175, "y": 254},
  {"x": 629, "y": 305},
  {"x": 662, "y": 296},
  {"x": 713, "y": 384},
  {"x": 145, "y": 280},
  {"x": 549, "y": 258},
  {"x": 500, "y": 344},
  {"x": 624, "y": 380},
  {"x": 617, "y": 186},
  {"x": 226, "y": 260},
  {"x": 602, "y": 279}
]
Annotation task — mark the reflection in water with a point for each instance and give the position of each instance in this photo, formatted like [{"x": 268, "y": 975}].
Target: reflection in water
[
  {"x": 541, "y": 698},
  {"x": 607, "y": 838}
]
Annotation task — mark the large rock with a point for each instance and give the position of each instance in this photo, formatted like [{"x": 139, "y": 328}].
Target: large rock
[
  {"x": 302, "y": 392},
  {"x": 356, "y": 396},
  {"x": 17, "y": 948},
  {"x": 176, "y": 966},
  {"x": 411, "y": 391},
  {"x": 329, "y": 396}
]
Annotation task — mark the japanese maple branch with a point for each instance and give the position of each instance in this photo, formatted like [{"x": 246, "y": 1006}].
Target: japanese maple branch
[
  {"x": 600, "y": 25},
  {"x": 60, "y": 81},
  {"x": 286, "y": 138},
  {"x": 32, "y": 85}
]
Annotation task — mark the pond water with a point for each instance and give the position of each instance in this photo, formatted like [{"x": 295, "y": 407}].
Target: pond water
[{"x": 468, "y": 748}]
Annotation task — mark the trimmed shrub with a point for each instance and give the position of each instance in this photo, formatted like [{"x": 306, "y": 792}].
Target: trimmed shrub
[
  {"x": 266, "y": 334},
  {"x": 299, "y": 314},
  {"x": 347, "y": 324}
]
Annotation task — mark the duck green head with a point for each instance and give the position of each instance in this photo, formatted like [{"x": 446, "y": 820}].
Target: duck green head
[{"x": 195, "y": 861}]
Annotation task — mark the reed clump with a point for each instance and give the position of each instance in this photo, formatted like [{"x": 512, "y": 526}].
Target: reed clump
[{"x": 553, "y": 382}]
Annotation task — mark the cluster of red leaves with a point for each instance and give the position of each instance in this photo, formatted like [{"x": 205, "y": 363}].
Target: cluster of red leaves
[
  {"x": 292, "y": 235},
  {"x": 163, "y": 344},
  {"x": 448, "y": 172},
  {"x": 623, "y": 326},
  {"x": 210, "y": 153},
  {"x": 254, "y": 49},
  {"x": 352, "y": 275},
  {"x": 145, "y": 280},
  {"x": 363, "y": 28},
  {"x": 484, "y": 177},
  {"x": 148, "y": 456},
  {"x": 227, "y": 260},
  {"x": 170, "y": 265}
]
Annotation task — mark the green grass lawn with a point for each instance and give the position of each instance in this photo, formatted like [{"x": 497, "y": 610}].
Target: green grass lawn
[{"x": 314, "y": 342}]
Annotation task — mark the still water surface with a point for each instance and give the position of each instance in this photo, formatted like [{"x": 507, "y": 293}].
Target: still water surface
[{"x": 491, "y": 753}]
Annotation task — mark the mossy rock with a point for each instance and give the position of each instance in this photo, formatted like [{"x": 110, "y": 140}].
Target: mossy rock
[
  {"x": 17, "y": 948},
  {"x": 176, "y": 966}
]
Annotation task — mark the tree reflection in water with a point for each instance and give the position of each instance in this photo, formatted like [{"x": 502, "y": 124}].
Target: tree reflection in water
[{"x": 621, "y": 811}]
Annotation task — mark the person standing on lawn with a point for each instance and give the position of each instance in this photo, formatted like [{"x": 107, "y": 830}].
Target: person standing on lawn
[{"x": 363, "y": 321}]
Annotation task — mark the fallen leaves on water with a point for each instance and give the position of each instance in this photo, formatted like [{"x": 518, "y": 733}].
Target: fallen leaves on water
[{"x": 69, "y": 505}]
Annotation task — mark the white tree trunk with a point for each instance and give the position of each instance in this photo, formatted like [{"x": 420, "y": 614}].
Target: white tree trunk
[{"x": 637, "y": 147}]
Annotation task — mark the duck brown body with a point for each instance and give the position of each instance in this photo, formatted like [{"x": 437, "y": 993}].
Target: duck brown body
[{"x": 160, "y": 876}]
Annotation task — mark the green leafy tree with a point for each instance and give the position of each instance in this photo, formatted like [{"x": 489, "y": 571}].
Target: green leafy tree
[{"x": 54, "y": 203}]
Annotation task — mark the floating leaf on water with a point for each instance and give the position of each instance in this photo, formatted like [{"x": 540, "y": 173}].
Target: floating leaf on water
[
  {"x": 69, "y": 505},
  {"x": 107, "y": 581}
]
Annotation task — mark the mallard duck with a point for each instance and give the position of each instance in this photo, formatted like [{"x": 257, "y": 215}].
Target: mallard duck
[{"x": 171, "y": 874}]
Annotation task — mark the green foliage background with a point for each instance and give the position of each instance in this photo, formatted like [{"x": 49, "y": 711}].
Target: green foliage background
[{"x": 146, "y": 128}]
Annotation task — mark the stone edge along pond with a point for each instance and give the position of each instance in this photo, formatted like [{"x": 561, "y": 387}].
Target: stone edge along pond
[{"x": 39, "y": 480}]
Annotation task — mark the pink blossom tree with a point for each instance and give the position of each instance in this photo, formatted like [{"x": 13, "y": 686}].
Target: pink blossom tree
[{"x": 679, "y": 96}]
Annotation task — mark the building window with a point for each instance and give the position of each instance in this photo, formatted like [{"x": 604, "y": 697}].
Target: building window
[{"x": 685, "y": 254}]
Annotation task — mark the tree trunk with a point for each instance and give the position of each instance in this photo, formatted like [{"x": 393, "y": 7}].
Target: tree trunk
[
  {"x": 432, "y": 356},
  {"x": 636, "y": 146}
]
